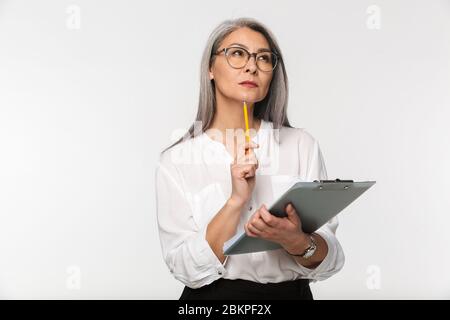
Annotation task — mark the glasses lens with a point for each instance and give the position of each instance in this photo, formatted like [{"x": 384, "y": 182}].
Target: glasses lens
[
  {"x": 266, "y": 61},
  {"x": 237, "y": 57}
]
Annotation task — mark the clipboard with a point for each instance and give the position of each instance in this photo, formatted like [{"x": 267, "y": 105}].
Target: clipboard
[{"x": 315, "y": 202}]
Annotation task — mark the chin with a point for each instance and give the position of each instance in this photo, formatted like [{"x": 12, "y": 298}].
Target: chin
[{"x": 250, "y": 98}]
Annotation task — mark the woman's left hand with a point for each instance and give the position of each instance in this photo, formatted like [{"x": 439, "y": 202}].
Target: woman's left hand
[{"x": 285, "y": 231}]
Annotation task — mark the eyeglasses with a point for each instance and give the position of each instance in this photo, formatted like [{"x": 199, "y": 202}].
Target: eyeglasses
[{"x": 238, "y": 57}]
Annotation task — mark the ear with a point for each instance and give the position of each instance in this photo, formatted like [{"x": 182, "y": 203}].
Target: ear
[{"x": 211, "y": 75}]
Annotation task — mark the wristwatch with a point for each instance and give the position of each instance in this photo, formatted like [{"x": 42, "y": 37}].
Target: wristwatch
[{"x": 309, "y": 252}]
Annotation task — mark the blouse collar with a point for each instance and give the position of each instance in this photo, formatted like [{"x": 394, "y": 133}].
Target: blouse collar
[{"x": 259, "y": 138}]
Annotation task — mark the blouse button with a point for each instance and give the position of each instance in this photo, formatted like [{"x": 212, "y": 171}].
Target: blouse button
[{"x": 250, "y": 208}]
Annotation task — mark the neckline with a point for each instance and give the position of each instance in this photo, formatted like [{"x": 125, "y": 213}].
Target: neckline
[{"x": 255, "y": 139}]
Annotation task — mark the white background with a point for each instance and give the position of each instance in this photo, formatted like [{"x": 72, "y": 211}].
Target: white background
[{"x": 85, "y": 111}]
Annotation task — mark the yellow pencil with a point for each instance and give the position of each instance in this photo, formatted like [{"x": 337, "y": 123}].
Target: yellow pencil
[{"x": 247, "y": 135}]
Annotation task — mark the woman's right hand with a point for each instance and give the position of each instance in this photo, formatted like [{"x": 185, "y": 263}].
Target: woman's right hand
[{"x": 243, "y": 173}]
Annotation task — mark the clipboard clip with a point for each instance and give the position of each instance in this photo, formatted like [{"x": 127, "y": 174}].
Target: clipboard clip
[{"x": 332, "y": 181}]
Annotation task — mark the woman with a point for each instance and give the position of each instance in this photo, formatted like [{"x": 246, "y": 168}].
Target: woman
[{"x": 212, "y": 182}]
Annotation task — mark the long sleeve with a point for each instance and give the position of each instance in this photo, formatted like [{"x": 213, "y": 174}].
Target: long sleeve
[
  {"x": 185, "y": 250},
  {"x": 334, "y": 260}
]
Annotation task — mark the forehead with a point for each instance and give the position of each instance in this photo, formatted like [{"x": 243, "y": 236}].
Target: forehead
[{"x": 248, "y": 37}]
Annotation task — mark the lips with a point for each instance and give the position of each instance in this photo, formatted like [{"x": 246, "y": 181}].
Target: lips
[{"x": 248, "y": 84}]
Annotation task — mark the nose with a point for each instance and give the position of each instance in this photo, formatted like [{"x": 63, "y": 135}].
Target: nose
[{"x": 251, "y": 64}]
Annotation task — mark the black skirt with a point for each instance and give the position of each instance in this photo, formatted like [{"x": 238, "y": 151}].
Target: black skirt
[{"x": 225, "y": 289}]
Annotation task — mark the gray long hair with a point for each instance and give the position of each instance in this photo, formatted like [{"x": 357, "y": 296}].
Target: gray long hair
[{"x": 272, "y": 108}]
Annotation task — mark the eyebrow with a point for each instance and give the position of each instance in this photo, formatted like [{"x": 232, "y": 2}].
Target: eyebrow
[{"x": 244, "y": 46}]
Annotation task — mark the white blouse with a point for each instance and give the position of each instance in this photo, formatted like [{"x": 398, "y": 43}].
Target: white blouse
[{"x": 193, "y": 182}]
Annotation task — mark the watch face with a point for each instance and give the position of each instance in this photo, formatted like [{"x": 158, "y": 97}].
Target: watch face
[{"x": 309, "y": 253}]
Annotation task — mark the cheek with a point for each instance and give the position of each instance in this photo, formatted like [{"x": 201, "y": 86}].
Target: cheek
[
  {"x": 266, "y": 86},
  {"x": 226, "y": 78}
]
